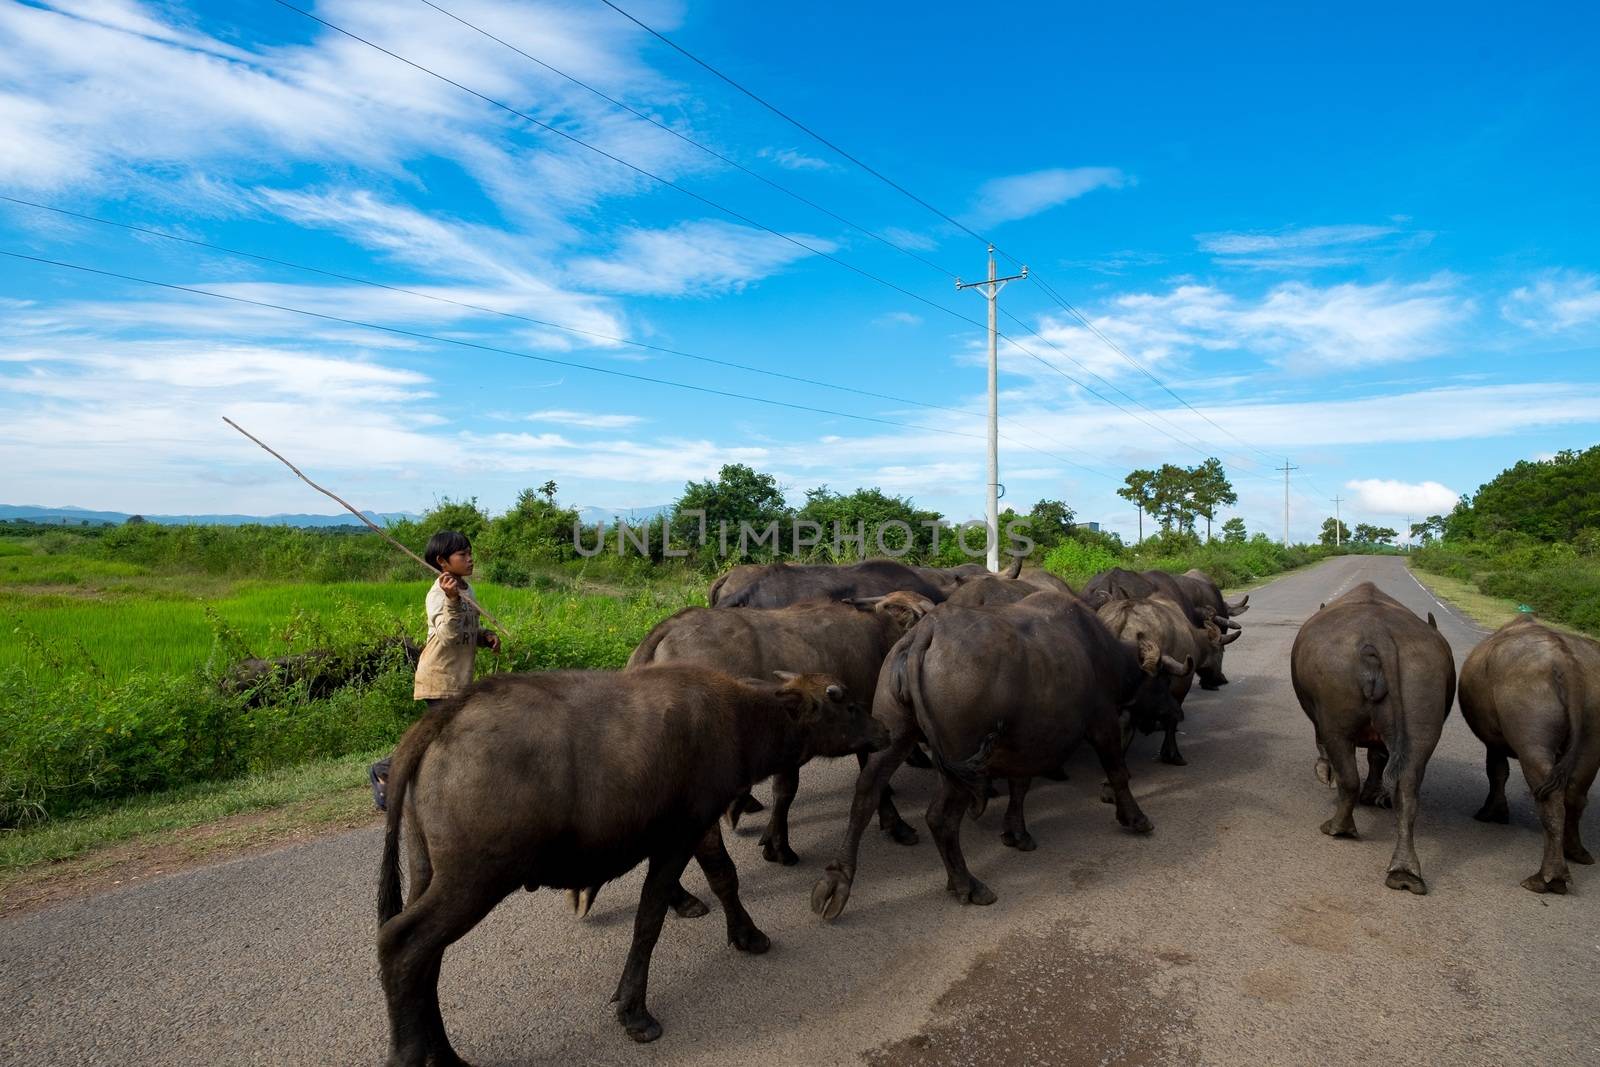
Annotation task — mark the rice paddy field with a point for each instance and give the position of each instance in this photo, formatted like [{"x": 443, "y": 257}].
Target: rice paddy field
[{"x": 114, "y": 675}]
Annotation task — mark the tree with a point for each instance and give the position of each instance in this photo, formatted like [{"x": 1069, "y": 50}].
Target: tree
[
  {"x": 134, "y": 520},
  {"x": 1050, "y": 522},
  {"x": 1209, "y": 489},
  {"x": 1171, "y": 494},
  {"x": 463, "y": 516},
  {"x": 1328, "y": 537},
  {"x": 1367, "y": 534},
  {"x": 1430, "y": 529},
  {"x": 870, "y": 509},
  {"x": 1233, "y": 531},
  {"x": 1550, "y": 500},
  {"x": 1137, "y": 490},
  {"x": 738, "y": 494}
]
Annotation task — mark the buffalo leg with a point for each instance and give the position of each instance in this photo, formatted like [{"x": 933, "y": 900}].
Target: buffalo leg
[
  {"x": 775, "y": 839},
  {"x": 659, "y": 881},
  {"x": 1016, "y": 833},
  {"x": 1346, "y": 772},
  {"x": 1552, "y": 874},
  {"x": 832, "y": 891},
  {"x": 1108, "y": 745},
  {"x": 410, "y": 950},
  {"x": 1495, "y": 808},
  {"x": 1405, "y": 870},
  {"x": 724, "y": 878},
  {"x": 1577, "y": 799},
  {"x": 949, "y": 805},
  {"x": 1108, "y": 795},
  {"x": 1169, "y": 749},
  {"x": 889, "y": 820},
  {"x": 1372, "y": 792}
]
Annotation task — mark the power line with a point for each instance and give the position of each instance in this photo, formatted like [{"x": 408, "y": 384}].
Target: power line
[
  {"x": 571, "y": 364},
  {"x": 930, "y": 207},
  {"x": 680, "y": 135},
  {"x": 795, "y": 122}
]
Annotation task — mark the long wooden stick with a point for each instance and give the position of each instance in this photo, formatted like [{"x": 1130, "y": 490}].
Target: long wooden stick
[{"x": 380, "y": 531}]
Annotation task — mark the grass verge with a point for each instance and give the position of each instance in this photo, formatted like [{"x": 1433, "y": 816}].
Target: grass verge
[
  {"x": 151, "y": 834},
  {"x": 1490, "y": 612}
]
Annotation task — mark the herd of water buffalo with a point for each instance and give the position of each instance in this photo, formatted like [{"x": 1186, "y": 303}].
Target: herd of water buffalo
[{"x": 570, "y": 779}]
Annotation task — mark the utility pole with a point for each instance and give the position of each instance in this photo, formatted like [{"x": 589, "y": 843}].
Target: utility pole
[
  {"x": 991, "y": 289},
  {"x": 1338, "y": 530},
  {"x": 1286, "y": 468}
]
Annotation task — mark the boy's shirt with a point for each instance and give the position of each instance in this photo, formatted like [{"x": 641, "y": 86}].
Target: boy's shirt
[{"x": 445, "y": 666}]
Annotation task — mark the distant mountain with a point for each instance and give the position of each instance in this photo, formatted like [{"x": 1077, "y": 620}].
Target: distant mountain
[
  {"x": 589, "y": 514},
  {"x": 77, "y": 516}
]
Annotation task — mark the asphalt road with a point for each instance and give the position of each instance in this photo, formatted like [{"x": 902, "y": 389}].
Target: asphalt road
[{"x": 1235, "y": 933}]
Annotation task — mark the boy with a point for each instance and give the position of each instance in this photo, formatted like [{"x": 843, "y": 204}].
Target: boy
[{"x": 445, "y": 667}]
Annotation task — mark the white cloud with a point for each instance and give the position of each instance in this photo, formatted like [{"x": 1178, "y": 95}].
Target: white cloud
[
  {"x": 1304, "y": 327},
  {"x": 1234, "y": 244},
  {"x": 898, "y": 318},
  {"x": 585, "y": 419},
  {"x": 1386, "y": 496},
  {"x": 698, "y": 258},
  {"x": 789, "y": 159},
  {"x": 1021, "y": 195},
  {"x": 1561, "y": 300}
]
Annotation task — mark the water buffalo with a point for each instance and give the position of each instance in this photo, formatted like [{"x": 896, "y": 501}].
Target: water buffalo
[
  {"x": 847, "y": 640},
  {"x": 1533, "y": 693},
  {"x": 1166, "y": 623},
  {"x": 1370, "y": 674},
  {"x": 1003, "y": 691},
  {"x": 1204, "y": 593},
  {"x": 777, "y": 585},
  {"x": 570, "y": 779}
]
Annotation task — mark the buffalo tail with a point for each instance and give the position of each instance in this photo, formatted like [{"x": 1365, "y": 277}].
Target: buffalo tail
[
  {"x": 403, "y": 764},
  {"x": 1562, "y": 771}
]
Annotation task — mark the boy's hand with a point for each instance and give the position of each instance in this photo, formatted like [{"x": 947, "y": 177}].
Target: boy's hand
[
  {"x": 492, "y": 639},
  {"x": 451, "y": 585}
]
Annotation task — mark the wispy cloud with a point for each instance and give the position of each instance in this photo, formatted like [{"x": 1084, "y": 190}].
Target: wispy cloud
[
  {"x": 585, "y": 419},
  {"x": 1388, "y": 496},
  {"x": 1306, "y": 247},
  {"x": 1022, "y": 195},
  {"x": 696, "y": 258},
  {"x": 898, "y": 318},
  {"x": 789, "y": 159},
  {"x": 1303, "y": 327},
  {"x": 1556, "y": 302},
  {"x": 1236, "y": 244}
]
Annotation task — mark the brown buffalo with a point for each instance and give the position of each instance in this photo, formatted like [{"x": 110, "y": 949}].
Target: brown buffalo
[
  {"x": 1533, "y": 694},
  {"x": 1167, "y": 624},
  {"x": 847, "y": 640},
  {"x": 1205, "y": 593},
  {"x": 1004, "y": 691},
  {"x": 778, "y": 585},
  {"x": 570, "y": 779},
  {"x": 1370, "y": 674}
]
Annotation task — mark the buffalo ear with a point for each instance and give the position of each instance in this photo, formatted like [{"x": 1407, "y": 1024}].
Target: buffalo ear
[
  {"x": 785, "y": 676},
  {"x": 863, "y": 603},
  {"x": 1431, "y": 621},
  {"x": 1149, "y": 653},
  {"x": 794, "y": 702}
]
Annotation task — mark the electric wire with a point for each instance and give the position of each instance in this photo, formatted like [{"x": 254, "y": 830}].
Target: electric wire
[{"x": 570, "y": 364}]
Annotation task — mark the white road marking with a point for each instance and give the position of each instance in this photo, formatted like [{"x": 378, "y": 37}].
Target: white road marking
[{"x": 1445, "y": 607}]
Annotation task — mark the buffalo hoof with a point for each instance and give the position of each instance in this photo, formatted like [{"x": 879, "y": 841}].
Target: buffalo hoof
[
  {"x": 690, "y": 907},
  {"x": 1579, "y": 854},
  {"x": 1175, "y": 759},
  {"x": 1537, "y": 884},
  {"x": 1107, "y": 794},
  {"x": 779, "y": 854},
  {"x": 830, "y": 894},
  {"x": 1334, "y": 828},
  {"x": 749, "y": 940},
  {"x": 1379, "y": 798},
  {"x": 918, "y": 758},
  {"x": 1500, "y": 812},
  {"x": 1210, "y": 687},
  {"x": 640, "y": 1025},
  {"x": 1411, "y": 883},
  {"x": 974, "y": 892},
  {"x": 1325, "y": 773},
  {"x": 1022, "y": 842},
  {"x": 903, "y": 833},
  {"x": 1139, "y": 824},
  {"x": 581, "y": 900},
  {"x": 1055, "y": 774}
]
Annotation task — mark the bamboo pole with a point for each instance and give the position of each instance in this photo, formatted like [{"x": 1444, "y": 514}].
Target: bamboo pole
[{"x": 380, "y": 531}]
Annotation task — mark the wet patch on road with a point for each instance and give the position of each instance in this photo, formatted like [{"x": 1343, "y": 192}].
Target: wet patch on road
[{"x": 1052, "y": 998}]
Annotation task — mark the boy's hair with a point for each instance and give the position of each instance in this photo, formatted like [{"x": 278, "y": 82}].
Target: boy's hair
[{"x": 445, "y": 544}]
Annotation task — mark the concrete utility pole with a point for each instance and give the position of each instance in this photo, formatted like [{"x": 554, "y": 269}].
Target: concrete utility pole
[
  {"x": 991, "y": 289},
  {"x": 1286, "y": 468},
  {"x": 1338, "y": 530}
]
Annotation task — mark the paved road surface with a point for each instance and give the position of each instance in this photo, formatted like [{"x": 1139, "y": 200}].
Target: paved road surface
[{"x": 1236, "y": 933}]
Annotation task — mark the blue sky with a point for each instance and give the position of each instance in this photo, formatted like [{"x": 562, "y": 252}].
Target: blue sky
[{"x": 1362, "y": 239}]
